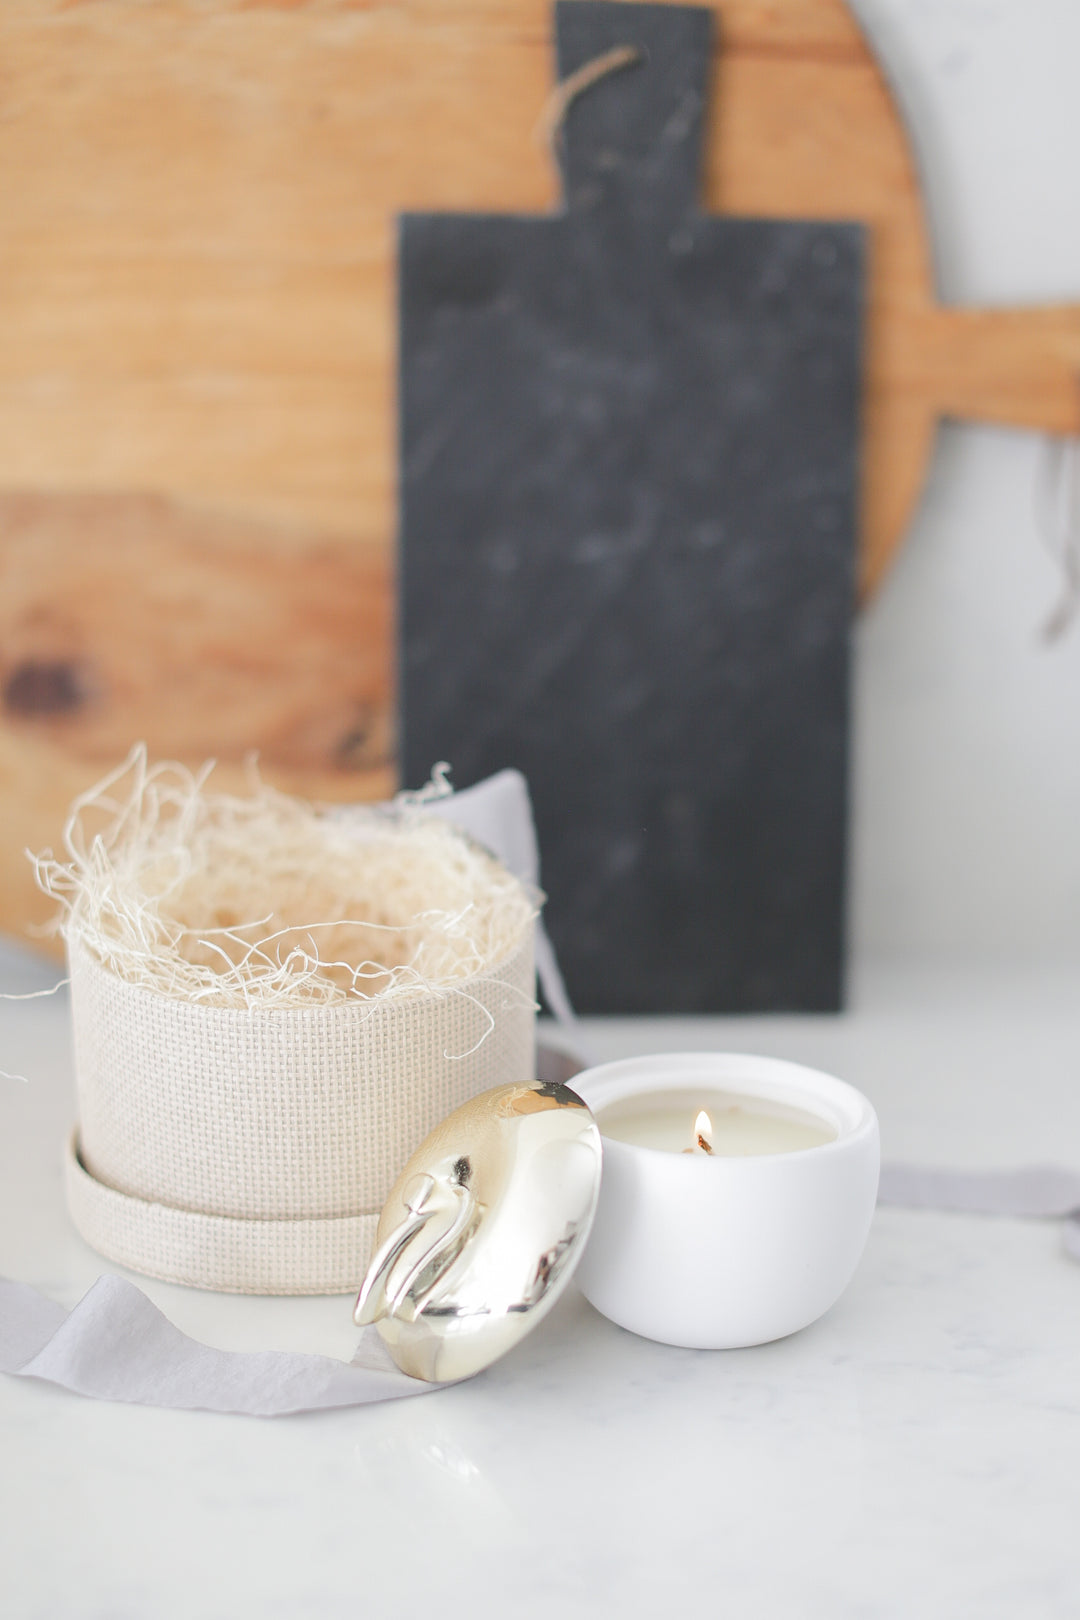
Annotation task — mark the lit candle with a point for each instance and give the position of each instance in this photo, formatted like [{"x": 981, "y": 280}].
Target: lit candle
[
  {"x": 736, "y": 1196},
  {"x": 703, "y": 1130}
]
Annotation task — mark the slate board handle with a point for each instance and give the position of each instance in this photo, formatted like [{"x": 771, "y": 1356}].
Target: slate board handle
[{"x": 633, "y": 140}]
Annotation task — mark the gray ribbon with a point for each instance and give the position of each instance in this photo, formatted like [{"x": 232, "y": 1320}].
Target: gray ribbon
[
  {"x": 116, "y": 1346},
  {"x": 1038, "y": 1191}
]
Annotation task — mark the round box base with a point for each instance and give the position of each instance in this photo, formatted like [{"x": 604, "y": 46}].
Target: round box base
[{"x": 221, "y": 1252}]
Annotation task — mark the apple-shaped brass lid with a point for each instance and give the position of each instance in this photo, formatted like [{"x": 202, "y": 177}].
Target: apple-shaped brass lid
[{"x": 482, "y": 1229}]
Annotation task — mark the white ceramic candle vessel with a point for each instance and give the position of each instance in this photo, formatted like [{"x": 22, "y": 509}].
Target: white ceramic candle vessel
[{"x": 737, "y": 1246}]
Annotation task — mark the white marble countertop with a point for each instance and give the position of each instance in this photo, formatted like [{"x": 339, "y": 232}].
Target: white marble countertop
[{"x": 915, "y": 1453}]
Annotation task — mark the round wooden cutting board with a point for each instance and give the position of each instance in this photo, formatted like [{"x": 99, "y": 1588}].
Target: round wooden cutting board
[{"x": 197, "y": 349}]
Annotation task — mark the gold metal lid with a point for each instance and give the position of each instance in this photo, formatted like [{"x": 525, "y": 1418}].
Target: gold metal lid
[{"x": 482, "y": 1230}]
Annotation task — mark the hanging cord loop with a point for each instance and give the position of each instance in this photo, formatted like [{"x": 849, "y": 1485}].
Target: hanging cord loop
[{"x": 549, "y": 128}]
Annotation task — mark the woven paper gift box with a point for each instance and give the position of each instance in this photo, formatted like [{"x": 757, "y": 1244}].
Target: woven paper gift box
[{"x": 272, "y": 1008}]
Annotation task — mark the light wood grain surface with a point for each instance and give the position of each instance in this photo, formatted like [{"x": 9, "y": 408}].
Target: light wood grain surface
[{"x": 197, "y": 347}]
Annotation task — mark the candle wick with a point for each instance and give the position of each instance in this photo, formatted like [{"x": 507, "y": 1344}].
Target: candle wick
[{"x": 704, "y": 1144}]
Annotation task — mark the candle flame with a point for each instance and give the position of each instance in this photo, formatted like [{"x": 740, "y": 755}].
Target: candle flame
[{"x": 703, "y": 1133}]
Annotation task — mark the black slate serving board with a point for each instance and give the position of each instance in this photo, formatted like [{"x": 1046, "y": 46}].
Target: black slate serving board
[{"x": 628, "y": 469}]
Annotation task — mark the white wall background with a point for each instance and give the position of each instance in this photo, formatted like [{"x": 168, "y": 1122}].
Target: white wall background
[{"x": 967, "y": 740}]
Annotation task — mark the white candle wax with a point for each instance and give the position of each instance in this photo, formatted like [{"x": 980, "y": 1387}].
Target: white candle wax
[{"x": 740, "y": 1126}]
